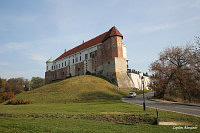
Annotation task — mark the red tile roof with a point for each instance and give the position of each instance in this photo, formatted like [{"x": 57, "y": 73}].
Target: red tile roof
[
  {"x": 101, "y": 38},
  {"x": 112, "y": 32}
]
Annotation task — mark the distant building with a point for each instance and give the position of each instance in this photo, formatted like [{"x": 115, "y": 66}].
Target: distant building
[
  {"x": 136, "y": 79},
  {"x": 103, "y": 55}
]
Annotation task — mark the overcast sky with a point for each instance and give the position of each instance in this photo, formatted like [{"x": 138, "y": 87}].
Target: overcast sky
[{"x": 32, "y": 31}]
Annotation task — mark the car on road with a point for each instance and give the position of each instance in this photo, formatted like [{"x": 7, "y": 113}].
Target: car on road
[{"x": 131, "y": 95}]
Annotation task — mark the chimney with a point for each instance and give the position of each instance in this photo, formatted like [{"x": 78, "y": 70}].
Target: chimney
[
  {"x": 83, "y": 41},
  {"x": 65, "y": 51}
]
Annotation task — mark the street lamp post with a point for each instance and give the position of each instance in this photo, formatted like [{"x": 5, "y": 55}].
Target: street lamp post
[{"x": 144, "y": 106}]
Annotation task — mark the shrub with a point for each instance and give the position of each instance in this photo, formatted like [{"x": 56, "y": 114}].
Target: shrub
[
  {"x": 6, "y": 96},
  {"x": 19, "y": 101},
  {"x": 169, "y": 98},
  {"x": 88, "y": 73}
]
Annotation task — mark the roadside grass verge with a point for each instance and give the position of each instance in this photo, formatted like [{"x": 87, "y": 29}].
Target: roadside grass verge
[
  {"x": 138, "y": 92},
  {"x": 20, "y": 125}
]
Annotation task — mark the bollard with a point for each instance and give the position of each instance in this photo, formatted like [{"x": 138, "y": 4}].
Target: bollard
[{"x": 157, "y": 121}]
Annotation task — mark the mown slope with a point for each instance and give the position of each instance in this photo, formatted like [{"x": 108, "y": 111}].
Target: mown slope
[{"x": 76, "y": 89}]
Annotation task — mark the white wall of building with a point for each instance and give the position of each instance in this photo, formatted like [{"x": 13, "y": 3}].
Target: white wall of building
[
  {"x": 69, "y": 59},
  {"x": 137, "y": 81},
  {"x": 49, "y": 66},
  {"x": 124, "y": 51}
]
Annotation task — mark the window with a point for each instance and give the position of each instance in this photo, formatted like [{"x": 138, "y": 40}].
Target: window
[
  {"x": 86, "y": 56},
  {"x": 76, "y": 59},
  {"x": 91, "y": 55},
  {"x": 80, "y": 58},
  {"x": 56, "y": 66},
  {"x": 52, "y": 68},
  {"x": 47, "y": 68},
  {"x": 68, "y": 62},
  {"x": 59, "y": 65},
  {"x": 96, "y": 53},
  {"x": 73, "y": 60},
  {"x": 65, "y": 63},
  {"x": 78, "y": 69},
  {"x": 62, "y": 64},
  {"x": 108, "y": 62}
]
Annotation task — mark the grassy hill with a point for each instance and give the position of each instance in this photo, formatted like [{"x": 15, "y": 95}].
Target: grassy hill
[
  {"x": 84, "y": 104},
  {"x": 76, "y": 89}
]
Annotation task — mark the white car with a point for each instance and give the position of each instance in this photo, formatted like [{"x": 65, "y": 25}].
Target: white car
[{"x": 131, "y": 94}]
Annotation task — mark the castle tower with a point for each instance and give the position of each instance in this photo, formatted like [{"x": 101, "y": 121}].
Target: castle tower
[
  {"x": 113, "y": 59},
  {"x": 49, "y": 67}
]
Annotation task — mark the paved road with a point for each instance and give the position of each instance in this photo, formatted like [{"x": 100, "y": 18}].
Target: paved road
[{"x": 186, "y": 109}]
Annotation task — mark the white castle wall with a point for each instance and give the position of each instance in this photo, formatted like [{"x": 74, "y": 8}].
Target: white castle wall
[
  {"x": 124, "y": 51},
  {"x": 69, "y": 59},
  {"x": 137, "y": 81}
]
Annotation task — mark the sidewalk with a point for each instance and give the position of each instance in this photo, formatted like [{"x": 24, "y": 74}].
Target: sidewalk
[{"x": 180, "y": 103}]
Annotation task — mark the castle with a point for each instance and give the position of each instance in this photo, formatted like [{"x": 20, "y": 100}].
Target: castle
[{"x": 103, "y": 55}]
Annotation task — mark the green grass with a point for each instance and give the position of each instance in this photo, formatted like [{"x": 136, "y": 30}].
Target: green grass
[
  {"x": 97, "y": 108},
  {"x": 84, "y": 88},
  {"x": 141, "y": 91},
  {"x": 78, "y": 126},
  {"x": 76, "y": 110}
]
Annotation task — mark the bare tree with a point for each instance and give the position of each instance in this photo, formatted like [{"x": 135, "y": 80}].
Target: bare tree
[{"x": 176, "y": 72}]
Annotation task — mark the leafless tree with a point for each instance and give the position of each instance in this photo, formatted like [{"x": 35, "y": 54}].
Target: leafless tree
[{"x": 176, "y": 72}]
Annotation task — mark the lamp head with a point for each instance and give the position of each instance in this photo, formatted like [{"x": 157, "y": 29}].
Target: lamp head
[
  {"x": 142, "y": 78},
  {"x": 140, "y": 74}
]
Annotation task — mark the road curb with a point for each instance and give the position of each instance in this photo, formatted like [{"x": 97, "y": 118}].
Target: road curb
[
  {"x": 161, "y": 108},
  {"x": 188, "y": 104}
]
